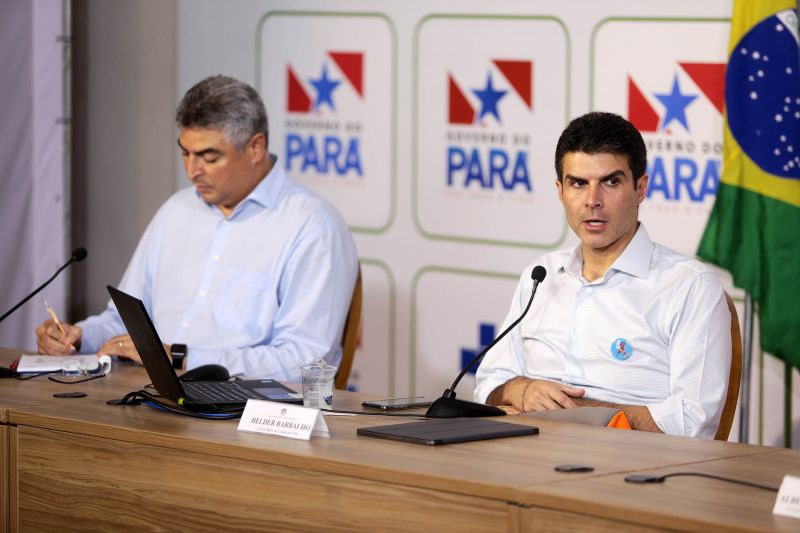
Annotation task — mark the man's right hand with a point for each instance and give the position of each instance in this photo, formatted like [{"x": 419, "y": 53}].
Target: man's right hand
[
  {"x": 526, "y": 394},
  {"x": 50, "y": 340}
]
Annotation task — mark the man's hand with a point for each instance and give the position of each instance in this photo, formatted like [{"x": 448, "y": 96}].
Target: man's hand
[
  {"x": 122, "y": 346},
  {"x": 525, "y": 394},
  {"x": 638, "y": 415},
  {"x": 50, "y": 340}
]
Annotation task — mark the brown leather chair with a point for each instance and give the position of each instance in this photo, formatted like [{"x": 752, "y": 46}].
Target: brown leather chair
[
  {"x": 350, "y": 336},
  {"x": 734, "y": 377}
]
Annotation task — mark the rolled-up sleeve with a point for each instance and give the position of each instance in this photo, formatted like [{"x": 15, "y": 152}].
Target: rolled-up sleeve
[{"x": 699, "y": 360}]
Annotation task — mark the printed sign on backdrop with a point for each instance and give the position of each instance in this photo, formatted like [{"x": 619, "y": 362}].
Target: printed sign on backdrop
[
  {"x": 674, "y": 95},
  {"x": 456, "y": 314},
  {"x": 491, "y": 100},
  {"x": 331, "y": 99}
]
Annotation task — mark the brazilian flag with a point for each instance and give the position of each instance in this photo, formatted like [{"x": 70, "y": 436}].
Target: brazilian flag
[{"x": 754, "y": 227}]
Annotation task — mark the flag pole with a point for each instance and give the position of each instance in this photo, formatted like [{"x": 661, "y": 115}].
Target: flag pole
[{"x": 747, "y": 355}]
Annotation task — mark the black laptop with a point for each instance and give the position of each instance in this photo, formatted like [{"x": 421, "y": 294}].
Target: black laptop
[{"x": 216, "y": 395}]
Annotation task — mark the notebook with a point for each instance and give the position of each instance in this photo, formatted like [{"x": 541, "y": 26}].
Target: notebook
[
  {"x": 216, "y": 395},
  {"x": 447, "y": 431}
]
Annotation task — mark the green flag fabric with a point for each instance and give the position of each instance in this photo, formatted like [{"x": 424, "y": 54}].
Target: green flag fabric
[{"x": 754, "y": 227}]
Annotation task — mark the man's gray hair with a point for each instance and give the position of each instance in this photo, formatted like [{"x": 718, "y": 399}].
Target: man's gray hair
[{"x": 226, "y": 104}]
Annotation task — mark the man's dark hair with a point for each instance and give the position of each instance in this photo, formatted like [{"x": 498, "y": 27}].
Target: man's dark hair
[
  {"x": 599, "y": 133},
  {"x": 227, "y": 104}
]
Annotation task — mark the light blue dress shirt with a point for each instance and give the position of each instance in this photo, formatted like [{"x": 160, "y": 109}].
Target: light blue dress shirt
[
  {"x": 260, "y": 292},
  {"x": 653, "y": 331}
]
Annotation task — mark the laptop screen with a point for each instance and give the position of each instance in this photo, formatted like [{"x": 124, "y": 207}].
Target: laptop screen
[{"x": 148, "y": 344}]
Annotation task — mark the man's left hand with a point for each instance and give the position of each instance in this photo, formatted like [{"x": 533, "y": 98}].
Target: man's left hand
[
  {"x": 638, "y": 415},
  {"x": 122, "y": 346}
]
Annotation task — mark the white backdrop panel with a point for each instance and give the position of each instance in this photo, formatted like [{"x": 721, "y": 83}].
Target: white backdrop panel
[
  {"x": 331, "y": 102},
  {"x": 491, "y": 97}
]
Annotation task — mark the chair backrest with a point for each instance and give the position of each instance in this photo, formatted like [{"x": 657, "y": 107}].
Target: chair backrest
[
  {"x": 734, "y": 377},
  {"x": 350, "y": 336}
]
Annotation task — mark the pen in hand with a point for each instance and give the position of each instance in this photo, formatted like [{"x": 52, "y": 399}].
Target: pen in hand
[{"x": 55, "y": 319}]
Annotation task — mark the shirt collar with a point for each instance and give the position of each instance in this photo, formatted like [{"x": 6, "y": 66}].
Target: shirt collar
[
  {"x": 574, "y": 262},
  {"x": 266, "y": 194},
  {"x": 634, "y": 259},
  {"x": 268, "y": 191}
]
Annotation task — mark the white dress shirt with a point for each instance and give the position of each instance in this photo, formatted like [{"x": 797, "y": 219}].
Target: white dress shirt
[
  {"x": 260, "y": 292},
  {"x": 653, "y": 331}
]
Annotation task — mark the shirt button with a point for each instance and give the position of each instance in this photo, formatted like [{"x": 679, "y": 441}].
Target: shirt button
[
  {"x": 185, "y": 324},
  {"x": 203, "y": 293},
  {"x": 590, "y": 290},
  {"x": 215, "y": 257}
]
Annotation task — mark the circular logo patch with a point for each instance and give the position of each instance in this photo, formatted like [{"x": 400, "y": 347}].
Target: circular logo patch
[{"x": 621, "y": 349}]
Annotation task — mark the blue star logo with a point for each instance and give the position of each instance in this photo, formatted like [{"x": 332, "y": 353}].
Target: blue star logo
[
  {"x": 324, "y": 86},
  {"x": 676, "y": 104},
  {"x": 489, "y": 98}
]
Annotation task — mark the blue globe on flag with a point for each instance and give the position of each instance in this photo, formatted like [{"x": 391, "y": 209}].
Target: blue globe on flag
[{"x": 763, "y": 106}]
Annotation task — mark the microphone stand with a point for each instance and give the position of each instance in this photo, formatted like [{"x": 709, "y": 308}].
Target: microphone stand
[
  {"x": 78, "y": 255},
  {"x": 448, "y": 406}
]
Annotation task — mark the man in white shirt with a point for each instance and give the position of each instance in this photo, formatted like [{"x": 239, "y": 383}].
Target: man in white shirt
[
  {"x": 619, "y": 321},
  {"x": 246, "y": 268}
]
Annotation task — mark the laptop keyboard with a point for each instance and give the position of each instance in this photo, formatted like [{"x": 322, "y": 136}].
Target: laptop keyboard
[{"x": 221, "y": 391}]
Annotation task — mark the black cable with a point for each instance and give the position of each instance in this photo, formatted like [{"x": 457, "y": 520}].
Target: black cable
[
  {"x": 154, "y": 398},
  {"x": 720, "y": 478},
  {"x": 143, "y": 397},
  {"x": 132, "y": 398},
  {"x": 88, "y": 378},
  {"x": 26, "y": 376},
  {"x": 645, "y": 478},
  {"x": 207, "y": 416},
  {"x": 369, "y": 413}
]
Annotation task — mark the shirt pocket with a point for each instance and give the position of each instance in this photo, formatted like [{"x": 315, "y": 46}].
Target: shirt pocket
[{"x": 247, "y": 302}]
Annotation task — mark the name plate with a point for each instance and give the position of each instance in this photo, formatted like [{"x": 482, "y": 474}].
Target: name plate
[
  {"x": 283, "y": 420},
  {"x": 788, "y": 501}
]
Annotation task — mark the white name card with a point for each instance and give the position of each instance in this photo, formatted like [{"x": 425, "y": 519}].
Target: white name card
[
  {"x": 283, "y": 420},
  {"x": 788, "y": 501}
]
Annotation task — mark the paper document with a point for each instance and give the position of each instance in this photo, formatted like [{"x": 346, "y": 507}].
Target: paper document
[{"x": 64, "y": 363}]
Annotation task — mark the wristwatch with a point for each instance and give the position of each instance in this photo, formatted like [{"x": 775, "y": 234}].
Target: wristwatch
[{"x": 178, "y": 352}]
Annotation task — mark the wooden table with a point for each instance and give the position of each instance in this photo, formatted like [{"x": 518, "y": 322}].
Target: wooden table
[{"x": 85, "y": 465}]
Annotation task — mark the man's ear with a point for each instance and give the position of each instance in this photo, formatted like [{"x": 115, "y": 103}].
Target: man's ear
[
  {"x": 641, "y": 188},
  {"x": 257, "y": 146},
  {"x": 560, "y": 187}
]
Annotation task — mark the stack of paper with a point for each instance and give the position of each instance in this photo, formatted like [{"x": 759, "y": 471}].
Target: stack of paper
[{"x": 64, "y": 363}]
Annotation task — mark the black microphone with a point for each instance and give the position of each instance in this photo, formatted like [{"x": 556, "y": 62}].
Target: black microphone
[
  {"x": 448, "y": 406},
  {"x": 78, "y": 254}
]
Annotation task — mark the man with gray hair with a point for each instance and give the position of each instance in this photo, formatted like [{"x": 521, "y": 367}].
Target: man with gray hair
[{"x": 246, "y": 269}]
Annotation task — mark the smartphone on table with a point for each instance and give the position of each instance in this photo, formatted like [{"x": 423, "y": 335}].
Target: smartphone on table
[{"x": 397, "y": 403}]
